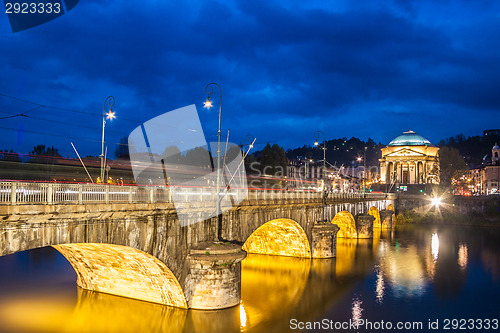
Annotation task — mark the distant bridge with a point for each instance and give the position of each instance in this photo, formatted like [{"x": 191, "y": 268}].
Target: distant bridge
[{"x": 127, "y": 240}]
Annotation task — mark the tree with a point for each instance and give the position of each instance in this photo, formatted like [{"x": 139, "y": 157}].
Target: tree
[
  {"x": 10, "y": 156},
  {"x": 273, "y": 160},
  {"x": 451, "y": 165},
  {"x": 41, "y": 154}
]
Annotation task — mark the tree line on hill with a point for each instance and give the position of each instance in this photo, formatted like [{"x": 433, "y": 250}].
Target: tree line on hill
[{"x": 457, "y": 155}]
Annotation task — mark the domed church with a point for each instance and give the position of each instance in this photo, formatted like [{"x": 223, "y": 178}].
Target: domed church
[{"x": 410, "y": 159}]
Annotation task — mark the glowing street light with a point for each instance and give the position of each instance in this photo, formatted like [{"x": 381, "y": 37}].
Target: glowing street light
[
  {"x": 110, "y": 115},
  {"x": 436, "y": 201},
  {"x": 208, "y": 104},
  {"x": 317, "y": 134}
]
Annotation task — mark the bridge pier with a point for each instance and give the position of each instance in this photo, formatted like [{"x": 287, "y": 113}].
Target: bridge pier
[
  {"x": 214, "y": 279},
  {"x": 386, "y": 218},
  {"x": 364, "y": 225},
  {"x": 324, "y": 240}
]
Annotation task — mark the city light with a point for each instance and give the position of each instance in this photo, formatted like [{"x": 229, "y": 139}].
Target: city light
[
  {"x": 436, "y": 201},
  {"x": 110, "y": 115},
  {"x": 208, "y": 103}
]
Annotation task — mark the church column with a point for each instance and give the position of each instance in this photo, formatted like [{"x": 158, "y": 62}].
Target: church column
[
  {"x": 424, "y": 172},
  {"x": 383, "y": 168},
  {"x": 417, "y": 180},
  {"x": 401, "y": 172},
  {"x": 414, "y": 172}
]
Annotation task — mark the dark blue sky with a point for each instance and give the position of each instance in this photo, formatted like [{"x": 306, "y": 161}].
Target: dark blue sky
[{"x": 287, "y": 68}]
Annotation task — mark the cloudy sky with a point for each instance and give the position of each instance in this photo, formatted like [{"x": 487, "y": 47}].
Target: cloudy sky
[{"x": 287, "y": 69}]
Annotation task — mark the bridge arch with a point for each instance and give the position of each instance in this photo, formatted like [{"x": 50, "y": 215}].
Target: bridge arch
[
  {"x": 390, "y": 207},
  {"x": 282, "y": 237},
  {"x": 373, "y": 211},
  {"x": 124, "y": 271},
  {"x": 346, "y": 223}
]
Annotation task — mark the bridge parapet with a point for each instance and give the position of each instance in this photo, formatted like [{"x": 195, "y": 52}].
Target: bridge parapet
[{"x": 17, "y": 193}]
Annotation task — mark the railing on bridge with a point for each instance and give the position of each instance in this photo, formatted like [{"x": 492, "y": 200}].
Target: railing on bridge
[{"x": 54, "y": 193}]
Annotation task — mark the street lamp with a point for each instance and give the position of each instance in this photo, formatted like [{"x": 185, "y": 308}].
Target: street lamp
[
  {"x": 248, "y": 141},
  {"x": 317, "y": 135},
  {"x": 208, "y": 104},
  {"x": 110, "y": 100},
  {"x": 363, "y": 180}
]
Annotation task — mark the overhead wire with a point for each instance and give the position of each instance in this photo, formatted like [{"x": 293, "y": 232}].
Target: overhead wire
[
  {"x": 59, "y": 108},
  {"x": 56, "y": 121}
]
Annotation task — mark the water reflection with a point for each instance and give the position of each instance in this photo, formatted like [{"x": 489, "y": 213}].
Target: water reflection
[
  {"x": 379, "y": 286},
  {"x": 108, "y": 313},
  {"x": 280, "y": 281},
  {"x": 357, "y": 311},
  {"x": 462, "y": 256},
  {"x": 435, "y": 246},
  {"x": 403, "y": 269},
  {"x": 430, "y": 265},
  {"x": 35, "y": 311}
]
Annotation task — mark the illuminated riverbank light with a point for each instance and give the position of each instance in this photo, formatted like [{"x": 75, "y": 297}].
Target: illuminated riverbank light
[{"x": 436, "y": 201}]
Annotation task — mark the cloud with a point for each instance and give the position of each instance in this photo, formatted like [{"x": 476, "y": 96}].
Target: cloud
[{"x": 286, "y": 67}]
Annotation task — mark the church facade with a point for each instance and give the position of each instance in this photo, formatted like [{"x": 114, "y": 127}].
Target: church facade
[{"x": 409, "y": 159}]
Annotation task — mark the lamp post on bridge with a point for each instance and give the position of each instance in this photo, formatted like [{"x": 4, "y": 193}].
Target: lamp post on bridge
[
  {"x": 110, "y": 115},
  {"x": 317, "y": 135},
  {"x": 208, "y": 104}
]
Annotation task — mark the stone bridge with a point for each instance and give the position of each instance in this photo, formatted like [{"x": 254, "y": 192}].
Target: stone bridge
[{"x": 127, "y": 241}]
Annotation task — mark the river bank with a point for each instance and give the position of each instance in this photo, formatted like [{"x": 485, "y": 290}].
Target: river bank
[{"x": 448, "y": 217}]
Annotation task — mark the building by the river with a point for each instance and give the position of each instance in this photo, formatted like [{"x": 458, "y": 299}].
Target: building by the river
[
  {"x": 486, "y": 179},
  {"x": 409, "y": 159}
]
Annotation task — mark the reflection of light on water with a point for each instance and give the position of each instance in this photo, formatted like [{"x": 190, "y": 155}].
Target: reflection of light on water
[
  {"x": 280, "y": 281},
  {"x": 435, "y": 246},
  {"x": 46, "y": 312},
  {"x": 401, "y": 273},
  {"x": 462, "y": 256},
  {"x": 243, "y": 317},
  {"x": 357, "y": 311},
  {"x": 380, "y": 287}
]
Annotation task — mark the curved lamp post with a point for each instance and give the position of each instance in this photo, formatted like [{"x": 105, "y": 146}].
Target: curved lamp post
[
  {"x": 110, "y": 100},
  {"x": 363, "y": 180},
  {"x": 209, "y": 89},
  {"x": 317, "y": 135},
  {"x": 248, "y": 138}
]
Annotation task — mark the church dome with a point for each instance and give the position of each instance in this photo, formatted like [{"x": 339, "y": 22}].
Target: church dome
[
  {"x": 410, "y": 138},
  {"x": 495, "y": 147}
]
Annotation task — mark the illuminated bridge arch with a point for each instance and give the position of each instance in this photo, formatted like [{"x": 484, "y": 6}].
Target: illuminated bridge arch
[
  {"x": 123, "y": 271},
  {"x": 346, "y": 223},
  {"x": 282, "y": 237},
  {"x": 391, "y": 207},
  {"x": 376, "y": 214}
]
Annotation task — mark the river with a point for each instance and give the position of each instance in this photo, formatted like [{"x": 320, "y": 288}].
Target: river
[{"x": 413, "y": 279}]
